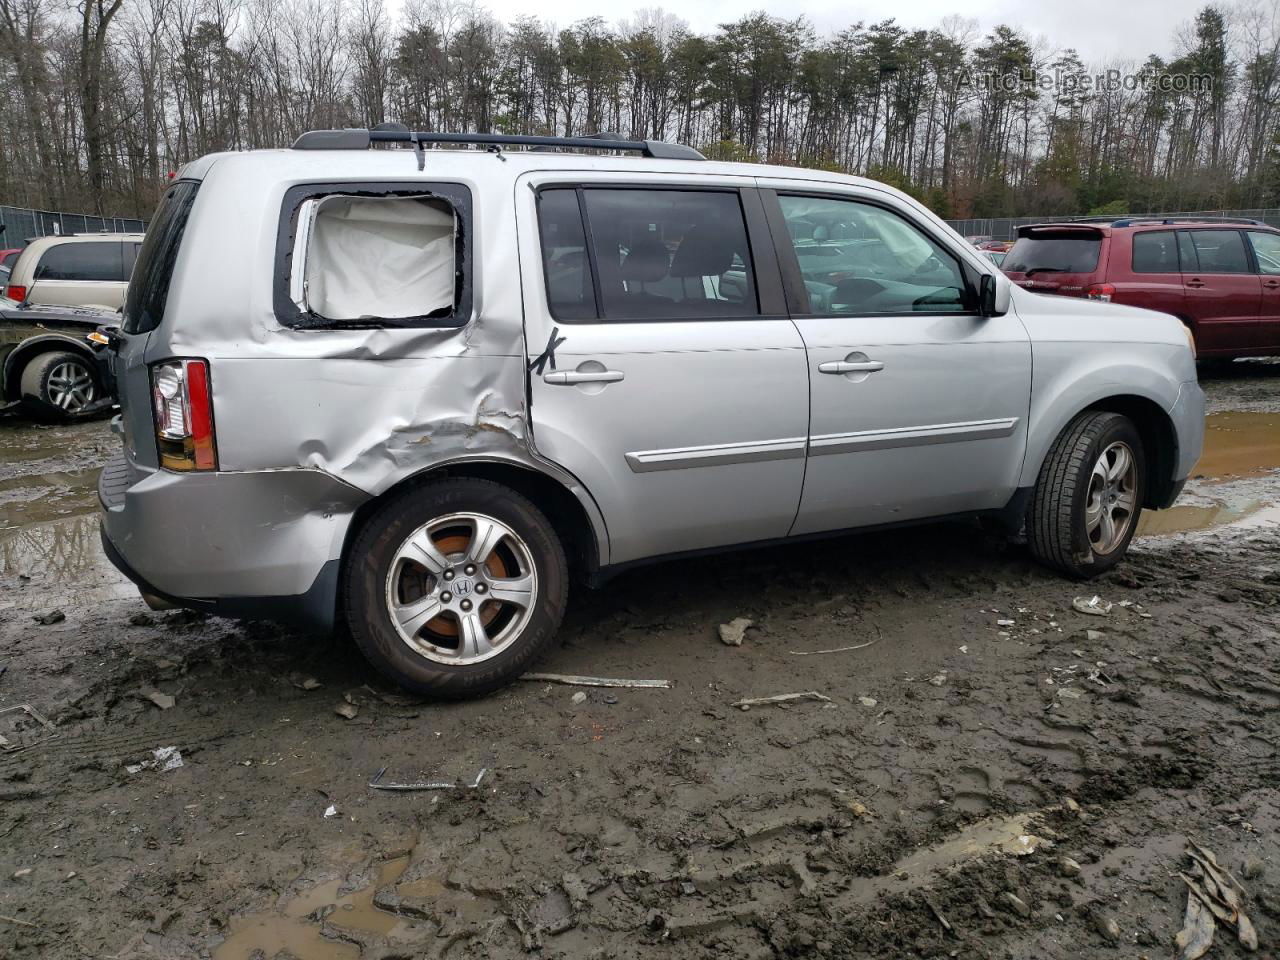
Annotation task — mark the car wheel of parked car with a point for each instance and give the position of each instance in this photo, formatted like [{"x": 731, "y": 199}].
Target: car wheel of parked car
[
  {"x": 1088, "y": 498},
  {"x": 456, "y": 588},
  {"x": 62, "y": 381}
]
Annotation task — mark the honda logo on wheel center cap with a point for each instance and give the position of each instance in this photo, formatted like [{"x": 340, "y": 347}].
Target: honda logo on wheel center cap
[{"x": 462, "y": 587}]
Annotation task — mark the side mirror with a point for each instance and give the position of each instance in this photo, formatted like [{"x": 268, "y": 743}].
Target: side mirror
[{"x": 993, "y": 295}]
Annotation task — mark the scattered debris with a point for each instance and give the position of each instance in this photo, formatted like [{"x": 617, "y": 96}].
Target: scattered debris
[
  {"x": 938, "y": 679},
  {"x": 1094, "y": 606},
  {"x": 21, "y": 923},
  {"x": 1015, "y": 903},
  {"x": 860, "y": 810},
  {"x": 597, "y": 681},
  {"x": 162, "y": 700},
  {"x": 163, "y": 759},
  {"x": 578, "y": 697},
  {"x": 306, "y": 683},
  {"x": 782, "y": 698},
  {"x": 814, "y": 653},
  {"x": 377, "y": 783},
  {"x": 1006, "y": 623},
  {"x": 1095, "y": 635},
  {"x": 1106, "y": 926},
  {"x": 331, "y": 811},
  {"x": 19, "y": 874},
  {"x": 1068, "y": 867},
  {"x": 733, "y": 632},
  {"x": 867, "y": 701},
  {"x": 50, "y": 618},
  {"x": 346, "y": 710},
  {"x": 20, "y": 725},
  {"x": 1212, "y": 894}
]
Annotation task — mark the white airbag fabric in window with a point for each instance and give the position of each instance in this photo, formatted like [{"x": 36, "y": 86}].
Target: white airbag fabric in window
[{"x": 385, "y": 257}]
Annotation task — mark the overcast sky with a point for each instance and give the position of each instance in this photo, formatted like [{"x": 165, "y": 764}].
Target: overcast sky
[{"x": 1101, "y": 30}]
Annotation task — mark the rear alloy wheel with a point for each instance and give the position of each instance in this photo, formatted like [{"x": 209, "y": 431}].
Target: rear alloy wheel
[
  {"x": 61, "y": 381},
  {"x": 1086, "y": 504},
  {"x": 456, "y": 588}
]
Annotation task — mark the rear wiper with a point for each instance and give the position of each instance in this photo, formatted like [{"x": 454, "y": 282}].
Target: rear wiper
[{"x": 1044, "y": 270}]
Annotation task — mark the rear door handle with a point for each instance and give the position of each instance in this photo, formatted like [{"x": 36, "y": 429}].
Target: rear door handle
[
  {"x": 571, "y": 377},
  {"x": 850, "y": 366},
  {"x": 1195, "y": 283},
  {"x": 1272, "y": 284}
]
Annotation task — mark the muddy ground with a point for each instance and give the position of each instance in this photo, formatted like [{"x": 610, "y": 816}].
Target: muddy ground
[{"x": 922, "y": 810}]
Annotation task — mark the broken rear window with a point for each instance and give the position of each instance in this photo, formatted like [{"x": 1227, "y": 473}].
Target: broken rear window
[{"x": 366, "y": 257}]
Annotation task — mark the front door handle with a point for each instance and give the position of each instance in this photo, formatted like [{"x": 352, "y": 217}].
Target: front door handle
[
  {"x": 850, "y": 366},
  {"x": 571, "y": 377},
  {"x": 1195, "y": 282},
  {"x": 1272, "y": 284}
]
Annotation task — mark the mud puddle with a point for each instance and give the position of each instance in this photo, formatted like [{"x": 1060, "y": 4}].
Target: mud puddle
[
  {"x": 56, "y": 562},
  {"x": 1239, "y": 445},
  {"x": 297, "y": 929}
]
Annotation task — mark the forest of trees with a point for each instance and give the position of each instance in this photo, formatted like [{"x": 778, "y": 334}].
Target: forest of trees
[{"x": 101, "y": 99}]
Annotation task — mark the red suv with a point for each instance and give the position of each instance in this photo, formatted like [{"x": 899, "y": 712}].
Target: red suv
[{"x": 1219, "y": 277}]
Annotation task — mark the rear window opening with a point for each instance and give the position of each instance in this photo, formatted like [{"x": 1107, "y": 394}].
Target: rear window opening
[
  {"x": 1054, "y": 251},
  {"x": 368, "y": 257}
]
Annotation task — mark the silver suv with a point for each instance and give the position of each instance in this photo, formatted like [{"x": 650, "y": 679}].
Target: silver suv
[{"x": 411, "y": 389}]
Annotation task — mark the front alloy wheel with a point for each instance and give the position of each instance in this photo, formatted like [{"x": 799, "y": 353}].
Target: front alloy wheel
[{"x": 1088, "y": 497}]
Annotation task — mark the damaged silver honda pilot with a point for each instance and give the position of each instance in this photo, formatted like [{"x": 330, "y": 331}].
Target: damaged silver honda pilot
[{"x": 408, "y": 383}]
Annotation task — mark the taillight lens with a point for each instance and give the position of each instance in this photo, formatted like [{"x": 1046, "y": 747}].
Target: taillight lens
[
  {"x": 1100, "y": 291},
  {"x": 183, "y": 405},
  {"x": 16, "y": 292}
]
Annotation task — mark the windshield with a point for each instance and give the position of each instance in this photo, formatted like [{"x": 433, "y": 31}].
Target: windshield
[
  {"x": 149, "y": 284},
  {"x": 1062, "y": 252}
]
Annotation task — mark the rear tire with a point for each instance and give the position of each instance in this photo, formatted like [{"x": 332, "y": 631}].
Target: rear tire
[
  {"x": 62, "y": 381},
  {"x": 1088, "y": 498},
  {"x": 456, "y": 588}
]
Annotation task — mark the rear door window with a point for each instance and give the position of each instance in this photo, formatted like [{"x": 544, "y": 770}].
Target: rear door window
[
  {"x": 1155, "y": 252},
  {"x": 1266, "y": 249},
  {"x": 1054, "y": 251},
  {"x": 100, "y": 262},
  {"x": 628, "y": 254},
  {"x": 1220, "y": 251}
]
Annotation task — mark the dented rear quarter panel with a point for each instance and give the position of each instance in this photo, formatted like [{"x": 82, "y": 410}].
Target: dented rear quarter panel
[{"x": 368, "y": 407}]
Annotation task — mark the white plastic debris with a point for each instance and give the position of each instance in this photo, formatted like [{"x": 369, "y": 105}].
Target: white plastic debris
[
  {"x": 1094, "y": 606},
  {"x": 331, "y": 811},
  {"x": 163, "y": 759},
  {"x": 732, "y": 633}
]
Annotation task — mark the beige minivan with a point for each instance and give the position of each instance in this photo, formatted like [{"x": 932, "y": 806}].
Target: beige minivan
[{"x": 79, "y": 270}]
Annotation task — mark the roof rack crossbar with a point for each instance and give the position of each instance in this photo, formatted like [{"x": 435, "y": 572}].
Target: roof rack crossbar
[{"x": 362, "y": 139}]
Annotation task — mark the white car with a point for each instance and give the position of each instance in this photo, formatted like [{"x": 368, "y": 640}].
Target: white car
[{"x": 80, "y": 270}]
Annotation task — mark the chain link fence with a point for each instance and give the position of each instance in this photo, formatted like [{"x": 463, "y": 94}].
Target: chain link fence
[
  {"x": 22, "y": 224},
  {"x": 1006, "y": 228}
]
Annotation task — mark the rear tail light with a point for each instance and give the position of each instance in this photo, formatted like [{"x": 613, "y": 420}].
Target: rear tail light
[
  {"x": 1100, "y": 291},
  {"x": 183, "y": 405},
  {"x": 16, "y": 292}
]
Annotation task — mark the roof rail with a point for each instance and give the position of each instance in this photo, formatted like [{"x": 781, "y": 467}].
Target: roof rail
[
  {"x": 1156, "y": 218},
  {"x": 359, "y": 139}
]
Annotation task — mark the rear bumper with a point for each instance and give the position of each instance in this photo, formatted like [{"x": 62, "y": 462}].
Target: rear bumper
[{"x": 260, "y": 545}]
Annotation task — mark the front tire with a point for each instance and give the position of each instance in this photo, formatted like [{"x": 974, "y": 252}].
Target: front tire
[
  {"x": 62, "y": 381},
  {"x": 456, "y": 588},
  {"x": 1088, "y": 498}
]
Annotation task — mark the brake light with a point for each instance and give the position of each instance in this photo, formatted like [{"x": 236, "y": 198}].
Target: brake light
[
  {"x": 16, "y": 292},
  {"x": 182, "y": 401},
  {"x": 1100, "y": 291}
]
